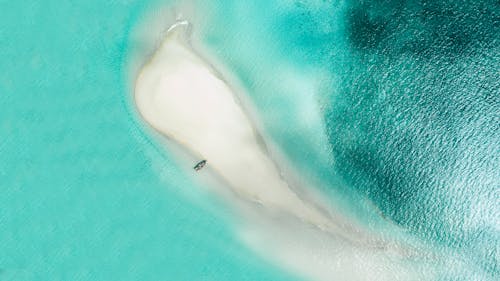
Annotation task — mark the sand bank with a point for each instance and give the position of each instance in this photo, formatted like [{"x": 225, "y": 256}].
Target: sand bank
[{"x": 181, "y": 96}]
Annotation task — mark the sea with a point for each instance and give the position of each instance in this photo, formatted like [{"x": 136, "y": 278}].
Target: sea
[{"x": 391, "y": 108}]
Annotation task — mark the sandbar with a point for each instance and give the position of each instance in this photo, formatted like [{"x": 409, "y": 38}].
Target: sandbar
[{"x": 184, "y": 98}]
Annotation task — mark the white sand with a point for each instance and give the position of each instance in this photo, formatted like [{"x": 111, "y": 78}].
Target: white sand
[{"x": 181, "y": 96}]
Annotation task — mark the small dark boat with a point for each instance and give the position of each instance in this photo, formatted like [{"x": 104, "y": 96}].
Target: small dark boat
[{"x": 200, "y": 165}]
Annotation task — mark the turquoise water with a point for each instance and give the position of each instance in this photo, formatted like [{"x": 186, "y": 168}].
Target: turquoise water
[
  {"x": 391, "y": 106},
  {"x": 81, "y": 197}
]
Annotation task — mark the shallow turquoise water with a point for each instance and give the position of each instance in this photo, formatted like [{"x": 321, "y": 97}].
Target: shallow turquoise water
[
  {"x": 408, "y": 103},
  {"x": 81, "y": 197}
]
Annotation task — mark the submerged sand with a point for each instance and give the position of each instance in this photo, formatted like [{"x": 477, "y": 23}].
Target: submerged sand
[{"x": 183, "y": 98}]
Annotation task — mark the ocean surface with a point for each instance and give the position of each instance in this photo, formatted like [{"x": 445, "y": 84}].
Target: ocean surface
[{"x": 390, "y": 107}]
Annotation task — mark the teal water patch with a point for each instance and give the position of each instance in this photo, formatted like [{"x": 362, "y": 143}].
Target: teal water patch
[
  {"x": 82, "y": 197},
  {"x": 414, "y": 123}
]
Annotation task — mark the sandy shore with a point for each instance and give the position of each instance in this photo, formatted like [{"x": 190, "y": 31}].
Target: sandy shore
[
  {"x": 180, "y": 96},
  {"x": 183, "y": 98}
]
